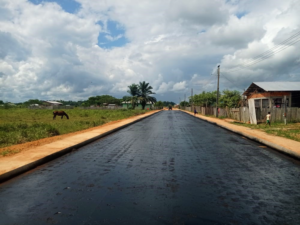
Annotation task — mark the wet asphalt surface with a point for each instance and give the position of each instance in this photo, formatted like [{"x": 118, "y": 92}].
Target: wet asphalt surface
[{"x": 170, "y": 168}]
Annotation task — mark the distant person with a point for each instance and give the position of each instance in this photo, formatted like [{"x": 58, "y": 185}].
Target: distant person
[
  {"x": 195, "y": 112},
  {"x": 268, "y": 119}
]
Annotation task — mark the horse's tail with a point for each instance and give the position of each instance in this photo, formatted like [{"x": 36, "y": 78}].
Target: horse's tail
[{"x": 66, "y": 115}]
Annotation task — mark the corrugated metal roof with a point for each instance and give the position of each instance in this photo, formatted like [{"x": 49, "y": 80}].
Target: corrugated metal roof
[
  {"x": 279, "y": 86},
  {"x": 136, "y": 102},
  {"x": 54, "y": 102}
]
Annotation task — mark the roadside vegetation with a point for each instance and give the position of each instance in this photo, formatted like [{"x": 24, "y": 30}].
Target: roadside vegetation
[
  {"x": 21, "y": 125},
  {"x": 227, "y": 98},
  {"x": 290, "y": 131}
]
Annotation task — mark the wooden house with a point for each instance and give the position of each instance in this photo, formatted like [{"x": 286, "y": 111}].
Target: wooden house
[
  {"x": 272, "y": 94},
  {"x": 265, "y": 96}
]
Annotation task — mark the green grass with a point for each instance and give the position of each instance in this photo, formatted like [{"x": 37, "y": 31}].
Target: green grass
[
  {"x": 290, "y": 131},
  {"x": 19, "y": 125},
  {"x": 7, "y": 152}
]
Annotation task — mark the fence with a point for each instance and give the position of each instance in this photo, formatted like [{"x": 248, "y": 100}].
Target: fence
[
  {"x": 242, "y": 114},
  {"x": 277, "y": 114}
]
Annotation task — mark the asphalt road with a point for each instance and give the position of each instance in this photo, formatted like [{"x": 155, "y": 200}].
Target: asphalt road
[{"x": 171, "y": 168}]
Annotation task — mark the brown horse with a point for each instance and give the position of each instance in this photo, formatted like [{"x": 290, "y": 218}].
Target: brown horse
[{"x": 60, "y": 113}]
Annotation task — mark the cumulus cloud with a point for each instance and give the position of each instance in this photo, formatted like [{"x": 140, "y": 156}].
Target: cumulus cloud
[
  {"x": 273, "y": 56},
  {"x": 11, "y": 48},
  {"x": 195, "y": 12},
  {"x": 48, "y": 53},
  {"x": 237, "y": 33}
]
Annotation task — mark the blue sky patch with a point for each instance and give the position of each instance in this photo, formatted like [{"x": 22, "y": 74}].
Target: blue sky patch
[
  {"x": 202, "y": 31},
  {"x": 241, "y": 14},
  {"x": 69, "y": 6},
  {"x": 114, "y": 37}
]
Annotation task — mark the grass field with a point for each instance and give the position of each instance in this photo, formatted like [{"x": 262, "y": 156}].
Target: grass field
[
  {"x": 291, "y": 130},
  {"x": 19, "y": 126}
]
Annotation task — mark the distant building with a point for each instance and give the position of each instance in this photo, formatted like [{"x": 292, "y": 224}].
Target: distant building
[
  {"x": 51, "y": 103},
  {"x": 149, "y": 105},
  {"x": 112, "y": 106}
]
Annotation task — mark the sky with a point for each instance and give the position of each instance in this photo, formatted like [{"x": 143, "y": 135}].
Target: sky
[{"x": 75, "y": 49}]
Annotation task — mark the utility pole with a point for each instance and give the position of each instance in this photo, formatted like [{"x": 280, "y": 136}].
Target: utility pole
[
  {"x": 179, "y": 103},
  {"x": 244, "y": 98},
  {"x": 284, "y": 115},
  {"x": 217, "y": 113},
  {"x": 192, "y": 100}
]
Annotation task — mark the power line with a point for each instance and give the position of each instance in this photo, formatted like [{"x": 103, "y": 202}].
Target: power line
[
  {"x": 284, "y": 42},
  {"x": 271, "y": 52}
]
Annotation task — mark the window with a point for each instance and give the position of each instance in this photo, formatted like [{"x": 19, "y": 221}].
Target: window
[
  {"x": 277, "y": 102},
  {"x": 265, "y": 103},
  {"x": 257, "y": 103}
]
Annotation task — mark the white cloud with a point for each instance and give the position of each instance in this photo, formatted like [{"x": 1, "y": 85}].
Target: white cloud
[
  {"x": 47, "y": 53},
  {"x": 111, "y": 38},
  {"x": 180, "y": 86}
]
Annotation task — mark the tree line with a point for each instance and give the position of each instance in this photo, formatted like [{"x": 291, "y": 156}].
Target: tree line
[
  {"x": 227, "y": 98},
  {"x": 164, "y": 103},
  {"x": 95, "y": 101},
  {"x": 139, "y": 94}
]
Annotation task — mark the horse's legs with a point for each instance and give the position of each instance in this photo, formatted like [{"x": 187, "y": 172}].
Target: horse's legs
[
  {"x": 62, "y": 116},
  {"x": 54, "y": 116}
]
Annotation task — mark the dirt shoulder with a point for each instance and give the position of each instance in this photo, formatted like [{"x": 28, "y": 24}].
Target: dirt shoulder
[
  {"x": 36, "y": 151},
  {"x": 282, "y": 144}
]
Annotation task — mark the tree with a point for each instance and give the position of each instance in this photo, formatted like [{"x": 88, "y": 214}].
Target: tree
[
  {"x": 204, "y": 99},
  {"x": 133, "y": 91},
  {"x": 159, "y": 104},
  {"x": 32, "y": 101},
  {"x": 230, "y": 99},
  {"x": 144, "y": 92},
  {"x": 100, "y": 100},
  {"x": 166, "y": 103},
  {"x": 184, "y": 104}
]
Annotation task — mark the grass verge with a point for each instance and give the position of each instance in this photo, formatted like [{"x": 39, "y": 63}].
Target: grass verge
[
  {"x": 290, "y": 131},
  {"x": 18, "y": 126},
  {"x": 7, "y": 152}
]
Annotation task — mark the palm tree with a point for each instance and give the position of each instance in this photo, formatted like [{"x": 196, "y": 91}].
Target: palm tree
[
  {"x": 133, "y": 91},
  {"x": 144, "y": 94}
]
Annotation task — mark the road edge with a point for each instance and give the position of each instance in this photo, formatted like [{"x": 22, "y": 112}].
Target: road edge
[
  {"x": 276, "y": 147},
  {"x": 23, "y": 169}
]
